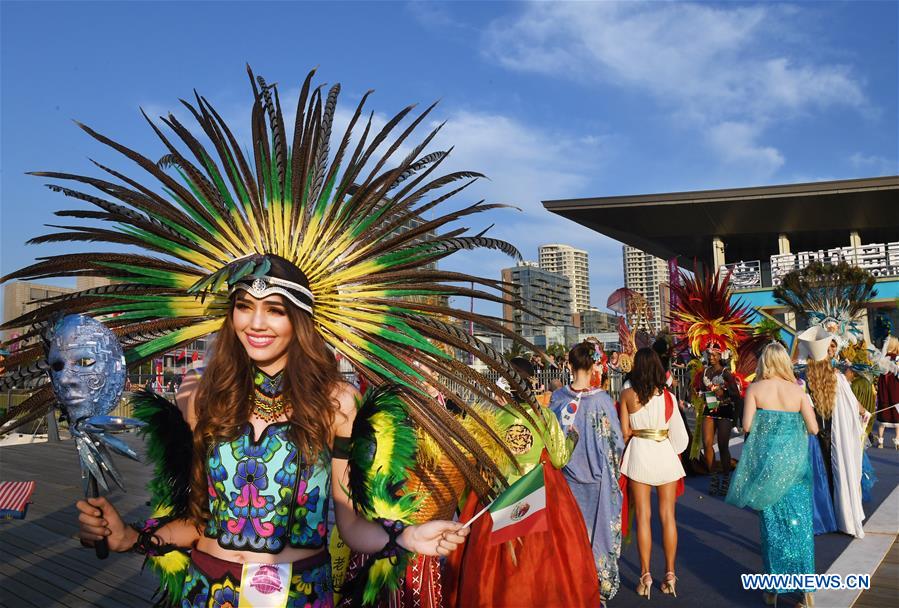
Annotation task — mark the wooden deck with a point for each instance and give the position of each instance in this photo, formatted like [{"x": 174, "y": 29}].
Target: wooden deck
[
  {"x": 884, "y": 589},
  {"x": 42, "y": 562}
]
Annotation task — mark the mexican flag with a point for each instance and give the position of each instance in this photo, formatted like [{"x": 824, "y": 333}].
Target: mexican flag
[{"x": 521, "y": 509}]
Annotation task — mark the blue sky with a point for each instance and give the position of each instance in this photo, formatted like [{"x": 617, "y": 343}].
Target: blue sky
[{"x": 550, "y": 100}]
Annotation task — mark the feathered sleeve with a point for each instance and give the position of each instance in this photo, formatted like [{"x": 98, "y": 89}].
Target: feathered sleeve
[
  {"x": 169, "y": 444},
  {"x": 382, "y": 453}
]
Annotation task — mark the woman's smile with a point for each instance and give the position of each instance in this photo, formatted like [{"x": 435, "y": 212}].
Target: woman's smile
[{"x": 259, "y": 341}]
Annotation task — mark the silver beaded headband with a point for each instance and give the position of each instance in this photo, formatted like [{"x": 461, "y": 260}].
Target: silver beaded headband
[{"x": 262, "y": 287}]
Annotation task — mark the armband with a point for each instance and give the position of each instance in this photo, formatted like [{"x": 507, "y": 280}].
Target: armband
[
  {"x": 341, "y": 447},
  {"x": 147, "y": 542},
  {"x": 392, "y": 549}
]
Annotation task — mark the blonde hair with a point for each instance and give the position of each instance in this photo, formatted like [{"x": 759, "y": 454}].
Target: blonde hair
[
  {"x": 774, "y": 362},
  {"x": 893, "y": 345},
  {"x": 822, "y": 383}
]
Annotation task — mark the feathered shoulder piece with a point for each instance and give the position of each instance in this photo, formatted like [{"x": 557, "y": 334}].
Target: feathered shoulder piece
[
  {"x": 381, "y": 457},
  {"x": 169, "y": 444},
  {"x": 365, "y": 222}
]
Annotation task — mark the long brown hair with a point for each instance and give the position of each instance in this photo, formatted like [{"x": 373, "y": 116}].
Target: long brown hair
[
  {"x": 222, "y": 403},
  {"x": 647, "y": 376},
  {"x": 822, "y": 384}
]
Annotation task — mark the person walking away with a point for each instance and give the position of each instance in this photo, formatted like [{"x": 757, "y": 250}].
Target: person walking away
[
  {"x": 654, "y": 436},
  {"x": 774, "y": 475},
  {"x": 593, "y": 469}
]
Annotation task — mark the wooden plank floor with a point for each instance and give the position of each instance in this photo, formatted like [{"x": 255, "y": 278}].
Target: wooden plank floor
[
  {"x": 884, "y": 589},
  {"x": 42, "y": 562}
]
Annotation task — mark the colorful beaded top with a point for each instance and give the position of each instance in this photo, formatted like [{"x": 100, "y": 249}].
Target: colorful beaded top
[{"x": 263, "y": 495}]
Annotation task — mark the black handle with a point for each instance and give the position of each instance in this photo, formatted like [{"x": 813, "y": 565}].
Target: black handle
[{"x": 101, "y": 547}]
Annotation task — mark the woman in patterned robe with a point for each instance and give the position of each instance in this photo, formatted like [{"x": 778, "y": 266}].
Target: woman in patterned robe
[{"x": 593, "y": 469}]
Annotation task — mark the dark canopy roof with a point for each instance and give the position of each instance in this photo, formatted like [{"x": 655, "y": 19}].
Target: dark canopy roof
[{"x": 814, "y": 216}]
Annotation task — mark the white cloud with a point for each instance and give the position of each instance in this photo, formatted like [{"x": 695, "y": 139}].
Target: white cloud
[
  {"x": 873, "y": 165},
  {"x": 526, "y": 164},
  {"x": 737, "y": 144},
  {"x": 716, "y": 69}
]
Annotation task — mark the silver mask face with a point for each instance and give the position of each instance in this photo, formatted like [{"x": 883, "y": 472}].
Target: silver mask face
[{"x": 87, "y": 367}]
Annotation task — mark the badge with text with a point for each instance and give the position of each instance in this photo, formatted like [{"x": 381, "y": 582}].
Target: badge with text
[{"x": 265, "y": 585}]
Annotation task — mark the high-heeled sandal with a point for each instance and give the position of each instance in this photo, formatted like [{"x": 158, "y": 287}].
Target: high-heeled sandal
[
  {"x": 669, "y": 585},
  {"x": 714, "y": 485},
  {"x": 769, "y": 598},
  {"x": 880, "y": 442},
  {"x": 808, "y": 601},
  {"x": 724, "y": 484},
  {"x": 645, "y": 585}
]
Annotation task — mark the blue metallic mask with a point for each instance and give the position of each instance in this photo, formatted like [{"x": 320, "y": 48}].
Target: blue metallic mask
[{"x": 87, "y": 367}]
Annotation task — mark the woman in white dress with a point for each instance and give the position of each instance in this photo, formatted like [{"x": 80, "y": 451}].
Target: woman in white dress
[
  {"x": 842, "y": 420},
  {"x": 655, "y": 435}
]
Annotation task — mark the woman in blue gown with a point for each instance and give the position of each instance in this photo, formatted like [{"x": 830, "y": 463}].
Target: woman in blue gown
[{"x": 774, "y": 475}]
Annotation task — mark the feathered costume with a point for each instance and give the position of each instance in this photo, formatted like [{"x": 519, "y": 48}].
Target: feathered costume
[
  {"x": 706, "y": 315},
  {"x": 832, "y": 297},
  {"x": 352, "y": 219}
]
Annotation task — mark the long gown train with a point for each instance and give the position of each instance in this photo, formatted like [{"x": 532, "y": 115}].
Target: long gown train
[{"x": 774, "y": 477}]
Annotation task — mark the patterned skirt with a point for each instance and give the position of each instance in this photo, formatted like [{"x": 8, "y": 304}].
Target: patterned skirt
[{"x": 213, "y": 582}]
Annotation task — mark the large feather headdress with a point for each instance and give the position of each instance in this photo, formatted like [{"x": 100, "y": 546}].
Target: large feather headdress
[
  {"x": 830, "y": 295},
  {"x": 706, "y": 316},
  {"x": 351, "y": 219}
]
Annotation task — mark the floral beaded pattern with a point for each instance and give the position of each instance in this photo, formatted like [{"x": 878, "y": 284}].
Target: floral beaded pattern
[
  {"x": 309, "y": 588},
  {"x": 262, "y": 494}
]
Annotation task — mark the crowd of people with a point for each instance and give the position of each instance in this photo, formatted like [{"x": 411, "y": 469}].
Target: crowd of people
[
  {"x": 277, "y": 483},
  {"x": 602, "y": 458}
]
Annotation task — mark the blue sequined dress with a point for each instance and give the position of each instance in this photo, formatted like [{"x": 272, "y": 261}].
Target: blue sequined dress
[{"x": 774, "y": 477}]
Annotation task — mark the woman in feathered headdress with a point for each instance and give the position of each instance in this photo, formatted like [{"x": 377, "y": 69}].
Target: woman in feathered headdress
[
  {"x": 711, "y": 325},
  {"x": 293, "y": 255},
  {"x": 832, "y": 297},
  {"x": 840, "y": 417}
]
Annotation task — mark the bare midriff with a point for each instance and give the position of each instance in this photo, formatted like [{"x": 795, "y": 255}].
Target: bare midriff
[{"x": 287, "y": 555}]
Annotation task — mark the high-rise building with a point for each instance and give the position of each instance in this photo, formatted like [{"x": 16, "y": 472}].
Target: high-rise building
[
  {"x": 545, "y": 293},
  {"x": 593, "y": 321},
  {"x": 648, "y": 275},
  {"x": 573, "y": 264}
]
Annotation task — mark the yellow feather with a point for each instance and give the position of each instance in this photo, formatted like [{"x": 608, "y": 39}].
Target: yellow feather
[{"x": 383, "y": 430}]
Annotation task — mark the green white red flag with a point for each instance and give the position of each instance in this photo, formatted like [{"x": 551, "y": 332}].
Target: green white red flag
[{"x": 521, "y": 509}]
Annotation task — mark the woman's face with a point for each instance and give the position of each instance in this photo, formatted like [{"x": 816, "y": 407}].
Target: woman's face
[
  {"x": 714, "y": 358},
  {"x": 264, "y": 329},
  {"x": 613, "y": 359},
  {"x": 832, "y": 350}
]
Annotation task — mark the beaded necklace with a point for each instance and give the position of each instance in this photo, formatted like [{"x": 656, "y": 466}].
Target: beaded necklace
[{"x": 268, "y": 401}]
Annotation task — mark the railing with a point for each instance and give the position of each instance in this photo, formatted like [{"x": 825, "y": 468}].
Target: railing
[
  {"x": 616, "y": 381},
  {"x": 880, "y": 259}
]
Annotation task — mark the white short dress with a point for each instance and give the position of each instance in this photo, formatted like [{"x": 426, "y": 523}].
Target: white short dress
[{"x": 649, "y": 461}]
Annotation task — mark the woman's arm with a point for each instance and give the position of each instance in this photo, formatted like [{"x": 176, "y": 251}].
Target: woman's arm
[
  {"x": 432, "y": 538},
  {"x": 808, "y": 414},
  {"x": 624, "y": 414},
  {"x": 749, "y": 408},
  {"x": 98, "y": 518}
]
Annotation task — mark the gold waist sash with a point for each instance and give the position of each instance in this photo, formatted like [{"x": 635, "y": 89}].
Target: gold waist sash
[{"x": 654, "y": 434}]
